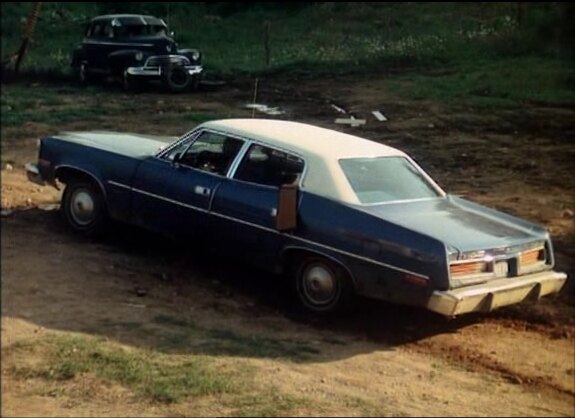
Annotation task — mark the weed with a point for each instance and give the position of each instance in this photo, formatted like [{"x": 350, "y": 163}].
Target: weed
[
  {"x": 269, "y": 403},
  {"x": 157, "y": 377}
]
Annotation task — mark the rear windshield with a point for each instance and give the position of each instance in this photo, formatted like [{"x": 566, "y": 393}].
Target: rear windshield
[{"x": 386, "y": 179}]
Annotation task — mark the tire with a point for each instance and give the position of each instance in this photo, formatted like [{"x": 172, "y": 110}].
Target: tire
[
  {"x": 322, "y": 287},
  {"x": 131, "y": 84},
  {"x": 83, "y": 76},
  {"x": 195, "y": 85},
  {"x": 177, "y": 79},
  {"x": 83, "y": 208}
]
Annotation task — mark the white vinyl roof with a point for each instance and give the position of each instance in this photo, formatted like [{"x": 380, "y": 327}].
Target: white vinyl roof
[{"x": 320, "y": 148}]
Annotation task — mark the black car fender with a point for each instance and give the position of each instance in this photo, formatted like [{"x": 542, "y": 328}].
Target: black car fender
[
  {"x": 118, "y": 61},
  {"x": 191, "y": 53}
]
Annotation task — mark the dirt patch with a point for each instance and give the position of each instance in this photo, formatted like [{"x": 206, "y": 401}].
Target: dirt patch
[{"x": 146, "y": 292}]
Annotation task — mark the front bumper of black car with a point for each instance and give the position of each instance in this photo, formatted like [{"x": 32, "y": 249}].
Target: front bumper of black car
[
  {"x": 151, "y": 72},
  {"x": 155, "y": 66}
]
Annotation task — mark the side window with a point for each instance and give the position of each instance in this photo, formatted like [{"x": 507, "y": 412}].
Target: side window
[
  {"x": 108, "y": 31},
  {"x": 176, "y": 150},
  {"x": 269, "y": 167},
  {"x": 97, "y": 31},
  {"x": 213, "y": 153}
]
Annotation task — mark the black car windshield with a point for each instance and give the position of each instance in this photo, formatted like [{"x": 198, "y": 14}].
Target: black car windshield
[
  {"x": 134, "y": 31},
  {"x": 386, "y": 179}
]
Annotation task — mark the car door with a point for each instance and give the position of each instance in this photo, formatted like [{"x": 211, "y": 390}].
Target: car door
[
  {"x": 173, "y": 193},
  {"x": 245, "y": 206},
  {"x": 92, "y": 44}
]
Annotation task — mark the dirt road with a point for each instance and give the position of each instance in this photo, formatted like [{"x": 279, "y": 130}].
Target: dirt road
[{"x": 144, "y": 292}]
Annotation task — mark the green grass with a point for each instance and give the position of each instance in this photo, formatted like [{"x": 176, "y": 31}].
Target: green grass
[
  {"x": 149, "y": 375},
  {"x": 152, "y": 377},
  {"x": 57, "y": 106},
  {"x": 270, "y": 403},
  {"x": 494, "y": 60},
  {"x": 21, "y": 104},
  {"x": 501, "y": 83}
]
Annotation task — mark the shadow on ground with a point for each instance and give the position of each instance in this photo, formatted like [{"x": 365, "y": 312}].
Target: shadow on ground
[{"x": 183, "y": 297}]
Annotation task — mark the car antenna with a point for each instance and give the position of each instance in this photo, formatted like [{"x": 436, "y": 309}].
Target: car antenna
[
  {"x": 255, "y": 98},
  {"x": 169, "y": 15}
]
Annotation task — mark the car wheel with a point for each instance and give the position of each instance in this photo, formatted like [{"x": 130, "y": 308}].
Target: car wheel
[
  {"x": 86, "y": 77},
  {"x": 83, "y": 208},
  {"x": 322, "y": 287},
  {"x": 177, "y": 79},
  {"x": 131, "y": 83},
  {"x": 83, "y": 76}
]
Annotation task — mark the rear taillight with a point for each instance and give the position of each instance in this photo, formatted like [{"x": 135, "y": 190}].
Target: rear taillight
[
  {"x": 531, "y": 257},
  {"x": 468, "y": 268}
]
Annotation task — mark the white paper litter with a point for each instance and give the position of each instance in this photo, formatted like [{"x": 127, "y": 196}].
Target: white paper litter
[{"x": 271, "y": 111}]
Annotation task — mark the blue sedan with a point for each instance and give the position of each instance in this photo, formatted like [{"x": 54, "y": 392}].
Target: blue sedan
[{"x": 340, "y": 215}]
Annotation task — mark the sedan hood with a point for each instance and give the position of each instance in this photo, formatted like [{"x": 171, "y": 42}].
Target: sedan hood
[
  {"x": 459, "y": 223},
  {"x": 131, "y": 145}
]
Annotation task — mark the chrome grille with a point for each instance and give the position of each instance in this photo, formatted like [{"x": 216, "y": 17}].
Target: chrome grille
[{"x": 164, "y": 60}]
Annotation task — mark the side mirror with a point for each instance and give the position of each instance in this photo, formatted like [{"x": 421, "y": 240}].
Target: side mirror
[{"x": 286, "y": 219}]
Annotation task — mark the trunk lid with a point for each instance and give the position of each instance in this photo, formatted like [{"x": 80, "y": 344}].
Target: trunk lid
[{"x": 463, "y": 225}]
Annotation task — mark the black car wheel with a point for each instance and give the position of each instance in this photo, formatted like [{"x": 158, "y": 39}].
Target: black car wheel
[
  {"x": 177, "y": 79},
  {"x": 322, "y": 287},
  {"x": 83, "y": 208},
  {"x": 83, "y": 76}
]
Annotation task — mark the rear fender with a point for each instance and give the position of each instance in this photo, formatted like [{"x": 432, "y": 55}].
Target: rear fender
[{"x": 292, "y": 252}]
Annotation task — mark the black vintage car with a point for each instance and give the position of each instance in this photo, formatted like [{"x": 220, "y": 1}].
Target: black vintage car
[{"x": 136, "y": 48}]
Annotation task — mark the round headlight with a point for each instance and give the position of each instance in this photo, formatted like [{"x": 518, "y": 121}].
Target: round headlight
[
  {"x": 139, "y": 56},
  {"x": 195, "y": 55},
  {"x": 169, "y": 48}
]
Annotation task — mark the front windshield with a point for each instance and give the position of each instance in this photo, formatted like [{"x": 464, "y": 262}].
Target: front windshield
[{"x": 386, "y": 179}]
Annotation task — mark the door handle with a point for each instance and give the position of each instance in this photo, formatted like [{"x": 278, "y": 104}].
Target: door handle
[
  {"x": 274, "y": 212},
  {"x": 202, "y": 191}
]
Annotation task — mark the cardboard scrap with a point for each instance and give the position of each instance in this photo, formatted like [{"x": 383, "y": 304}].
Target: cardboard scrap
[
  {"x": 353, "y": 122},
  {"x": 379, "y": 116}
]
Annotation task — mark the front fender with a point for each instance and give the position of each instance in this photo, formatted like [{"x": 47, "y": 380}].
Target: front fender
[
  {"x": 194, "y": 55},
  {"x": 118, "y": 61}
]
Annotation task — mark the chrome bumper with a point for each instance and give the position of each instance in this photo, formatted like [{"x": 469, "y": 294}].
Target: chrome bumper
[
  {"x": 157, "y": 71},
  {"x": 34, "y": 175},
  {"x": 495, "y": 294}
]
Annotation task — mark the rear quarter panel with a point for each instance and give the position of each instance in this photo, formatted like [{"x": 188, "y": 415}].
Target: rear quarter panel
[{"x": 378, "y": 254}]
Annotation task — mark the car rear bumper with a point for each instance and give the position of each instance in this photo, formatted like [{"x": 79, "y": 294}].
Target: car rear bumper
[
  {"x": 495, "y": 294},
  {"x": 156, "y": 72}
]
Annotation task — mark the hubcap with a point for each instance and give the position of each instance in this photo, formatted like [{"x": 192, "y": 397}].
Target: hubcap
[
  {"x": 82, "y": 207},
  {"x": 319, "y": 284}
]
